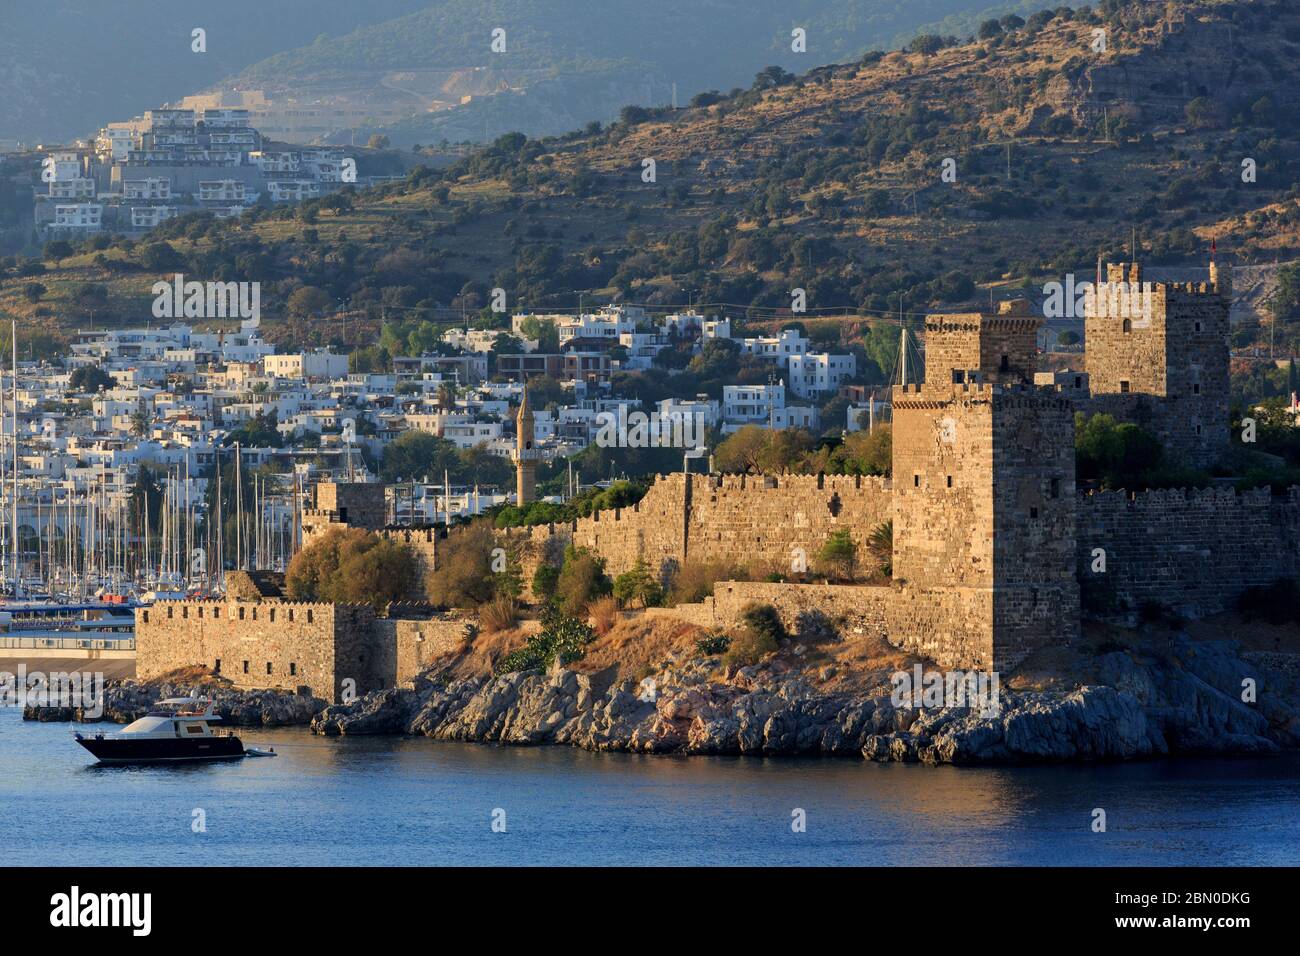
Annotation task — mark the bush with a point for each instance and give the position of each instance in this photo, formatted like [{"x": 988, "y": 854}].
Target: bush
[
  {"x": 693, "y": 581},
  {"x": 764, "y": 620},
  {"x": 713, "y": 644},
  {"x": 838, "y": 556},
  {"x": 498, "y": 614},
  {"x": 638, "y": 585},
  {"x": 562, "y": 637},
  {"x": 581, "y": 580},
  {"x": 545, "y": 579},
  {"x": 750, "y": 647}
]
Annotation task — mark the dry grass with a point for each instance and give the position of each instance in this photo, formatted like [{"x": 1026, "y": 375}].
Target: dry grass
[
  {"x": 499, "y": 614},
  {"x": 603, "y": 614},
  {"x": 191, "y": 674}
]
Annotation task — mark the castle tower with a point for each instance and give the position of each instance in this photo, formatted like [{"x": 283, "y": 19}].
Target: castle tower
[
  {"x": 525, "y": 453},
  {"x": 1157, "y": 355},
  {"x": 983, "y": 499}
]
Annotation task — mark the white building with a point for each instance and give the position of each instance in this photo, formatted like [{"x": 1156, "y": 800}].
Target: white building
[
  {"x": 815, "y": 374},
  {"x": 776, "y": 348}
]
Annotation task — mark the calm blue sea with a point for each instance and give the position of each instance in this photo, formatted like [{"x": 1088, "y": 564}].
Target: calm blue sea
[{"x": 385, "y": 801}]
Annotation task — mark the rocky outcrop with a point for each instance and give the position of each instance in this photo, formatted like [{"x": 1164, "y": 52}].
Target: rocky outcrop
[
  {"x": 1188, "y": 700},
  {"x": 125, "y": 701}
]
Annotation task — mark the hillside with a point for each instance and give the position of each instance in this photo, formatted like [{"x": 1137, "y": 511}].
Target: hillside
[
  {"x": 831, "y": 182},
  {"x": 69, "y": 66},
  {"x": 568, "y": 62}
]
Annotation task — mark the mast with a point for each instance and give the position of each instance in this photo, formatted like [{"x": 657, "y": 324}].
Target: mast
[{"x": 18, "y": 554}]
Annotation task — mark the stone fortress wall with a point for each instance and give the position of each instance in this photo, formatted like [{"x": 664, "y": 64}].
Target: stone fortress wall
[
  {"x": 333, "y": 650},
  {"x": 1193, "y": 552},
  {"x": 764, "y": 523}
]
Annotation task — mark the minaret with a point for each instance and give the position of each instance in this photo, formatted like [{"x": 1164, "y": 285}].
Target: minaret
[{"x": 525, "y": 454}]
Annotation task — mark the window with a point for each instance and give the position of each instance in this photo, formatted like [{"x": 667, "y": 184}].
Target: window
[
  {"x": 1056, "y": 487},
  {"x": 216, "y": 612},
  {"x": 216, "y": 668},
  {"x": 241, "y": 613},
  {"x": 1005, "y": 364},
  {"x": 1197, "y": 326},
  {"x": 950, "y": 481},
  {"x": 293, "y": 669},
  {"x": 1123, "y": 386},
  {"x": 1033, "y": 512},
  {"x": 309, "y": 615},
  {"x": 1198, "y": 429},
  {"x": 144, "y": 617},
  {"x": 185, "y": 612},
  {"x": 1128, "y": 326},
  {"x": 290, "y": 615},
  {"x": 1196, "y": 388},
  {"x": 170, "y": 611},
  {"x": 194, "y": 728},
  {"x": 272, "y": 615},
  {"x": 200, "y": 610},
  {"x": 245, "y": 667},
  {"x": 268, "y": 668},
  {"x": 916, "y": 481}
]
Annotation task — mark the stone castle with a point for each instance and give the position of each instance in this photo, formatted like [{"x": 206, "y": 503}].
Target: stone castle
[{"x": 995, "y": 552}]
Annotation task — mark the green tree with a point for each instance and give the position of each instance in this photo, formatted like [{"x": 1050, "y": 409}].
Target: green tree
[
  {"x": 352, "y": 566},
  {"x": 638, "y": 584},
  {"x": 838, "y": 555}
]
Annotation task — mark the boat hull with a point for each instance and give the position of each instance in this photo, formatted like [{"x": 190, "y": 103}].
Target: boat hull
[{"x": 162, "y": 750}]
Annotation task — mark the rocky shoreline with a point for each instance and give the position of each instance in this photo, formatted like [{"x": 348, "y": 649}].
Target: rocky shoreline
[
  {"x": 128, "y": 700},
  {"x": 1188, "y": 701}
]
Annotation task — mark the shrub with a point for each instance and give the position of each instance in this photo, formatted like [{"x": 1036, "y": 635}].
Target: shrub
[
  {"x": 581, "y": 580},
  {"x": 750, "y": 647},
  {"x": 764, "y": 620},
  {"x": 562, "y": 637},
  {"x": 693, "y": 581},
  {"x": 713, "y": 644},
  {"x": 838, "y": 555},
  {"x": 498, "y": 614},
  {"x": 638, "y": 585},
  {"x": 545, "y": 579}
]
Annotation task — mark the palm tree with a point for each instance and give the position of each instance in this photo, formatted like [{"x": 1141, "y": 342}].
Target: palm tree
[{"x": 881, "y": 544}]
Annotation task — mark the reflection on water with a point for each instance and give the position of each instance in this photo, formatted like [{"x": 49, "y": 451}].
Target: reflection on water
[{"x": 369, "y": 801}]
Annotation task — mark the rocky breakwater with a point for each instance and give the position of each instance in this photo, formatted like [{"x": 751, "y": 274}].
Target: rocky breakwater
[
  {"x": 1188, "y": 700},
  {"x": 128, "y": 700}
]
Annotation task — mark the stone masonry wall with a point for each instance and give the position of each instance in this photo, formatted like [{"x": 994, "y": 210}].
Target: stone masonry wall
[
  {"x": 765, "y": 522},
  {"x": 1190, "y": 551},
  {"x": 272, "y": 645}
]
